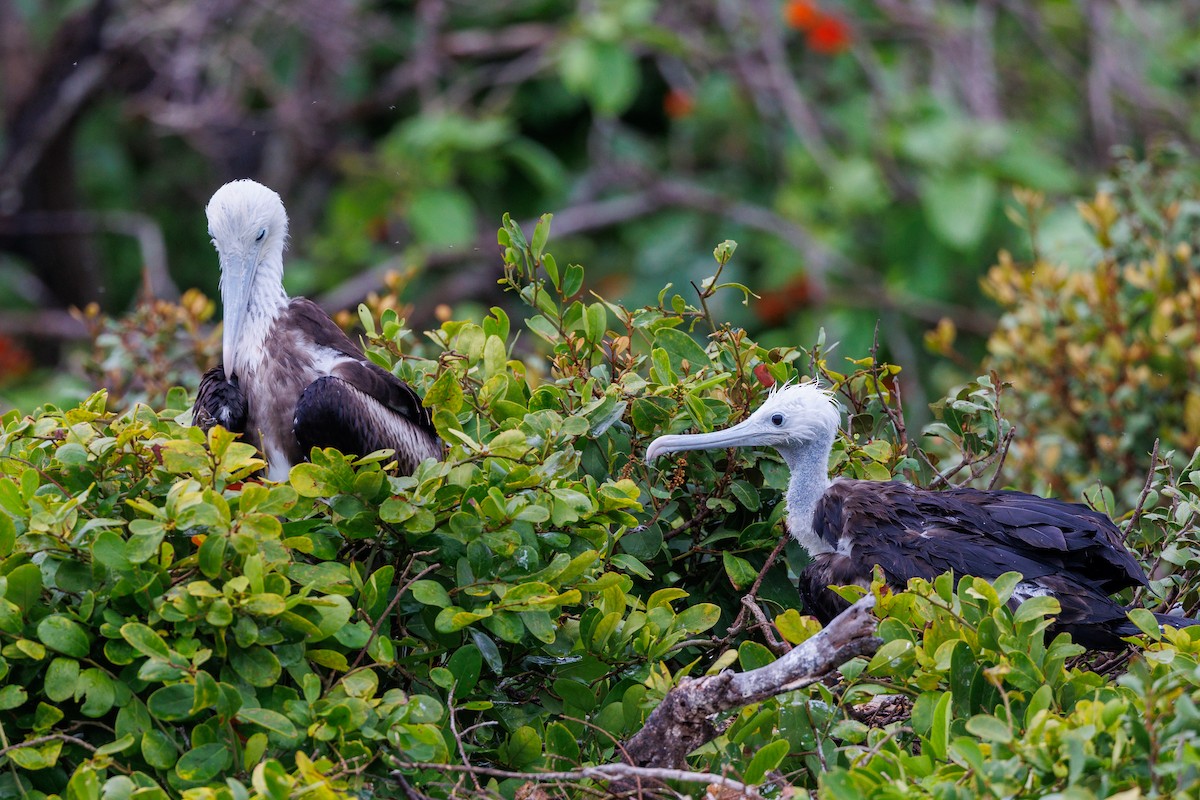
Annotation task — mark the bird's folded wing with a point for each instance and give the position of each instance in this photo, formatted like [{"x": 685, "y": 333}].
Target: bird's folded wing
[{"x": 219, "y": 401}]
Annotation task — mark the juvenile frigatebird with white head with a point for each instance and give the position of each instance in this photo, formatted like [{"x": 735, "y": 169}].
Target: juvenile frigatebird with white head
[
  {"x": 1061, "y": 549},
  {"x": 290, "y": 379}
]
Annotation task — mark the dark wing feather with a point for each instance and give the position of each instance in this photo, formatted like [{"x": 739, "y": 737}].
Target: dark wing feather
[
  {"x": 219, "y": 401},
  {"x": 913, "y": 531},
  {"x": 361, "y": 407},
  {"x": 1062, "y": 549},
  {"x": 368, "y": 378},
  {"x": 304, "y": 315},
  {"x": 334, "y": 413}
]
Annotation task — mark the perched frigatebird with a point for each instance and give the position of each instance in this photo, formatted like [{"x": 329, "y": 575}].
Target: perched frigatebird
[
  {"x": 1061, "y": 549},
  {"x": 290, "y": 379}
]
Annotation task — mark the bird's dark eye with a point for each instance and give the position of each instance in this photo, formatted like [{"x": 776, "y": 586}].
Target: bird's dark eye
[
  {"x": 777, "y": 419},
  {"x": 261, "y": 235}
]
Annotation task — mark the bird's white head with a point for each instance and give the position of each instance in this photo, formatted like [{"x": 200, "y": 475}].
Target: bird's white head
[
  {"x": 796, "y": 417},
  {"x": 248, "y": 227}
]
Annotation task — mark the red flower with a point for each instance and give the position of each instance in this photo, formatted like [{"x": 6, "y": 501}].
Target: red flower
[
  {"x": 678, "y": 104},
  {"x": 829, "y": 36},
  {"x": 802, "y": 14}
]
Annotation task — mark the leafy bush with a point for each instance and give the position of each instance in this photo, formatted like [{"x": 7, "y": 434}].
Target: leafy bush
[
  {"x": 998, "y": 712},
  {"x": 173, "y": 627},
  {"x": 1100, "y": 354}
]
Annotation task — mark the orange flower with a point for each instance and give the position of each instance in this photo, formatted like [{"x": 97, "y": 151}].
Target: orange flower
[
  {"x": 802, "y": 14},
  {"x": 829, "y": 36},
  {"x": 678, "y": 104}
]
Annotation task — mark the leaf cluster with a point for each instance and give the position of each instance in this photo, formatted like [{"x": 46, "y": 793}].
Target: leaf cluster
[{"x": 172, "y": 626}]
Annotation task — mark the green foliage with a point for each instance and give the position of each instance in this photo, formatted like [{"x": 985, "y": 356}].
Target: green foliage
[
  {"x": 1100, "y": 353},
  {"x": 999, "y": 712},
  {"x": 172, "y": 626},
  {"x": 141, "y": 356}
]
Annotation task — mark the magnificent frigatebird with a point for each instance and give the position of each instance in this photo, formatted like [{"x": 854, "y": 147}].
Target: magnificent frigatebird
[
  {"x": 1061, "y": 549},
  {"x": 290, "y": 379}
]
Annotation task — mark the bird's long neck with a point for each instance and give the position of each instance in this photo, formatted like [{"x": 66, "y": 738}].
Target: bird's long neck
[
  {"x": 266, "y": 300},
  {"x": 809, "y": 466}
]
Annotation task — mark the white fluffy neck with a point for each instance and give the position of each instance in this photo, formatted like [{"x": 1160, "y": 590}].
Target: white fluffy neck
[
  {"x": 809, "y": 466},
  {"x": 265, "y": 302}
]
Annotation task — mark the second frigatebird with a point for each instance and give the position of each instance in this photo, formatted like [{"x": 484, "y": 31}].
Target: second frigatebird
[{"x": 1061, "y": 549}]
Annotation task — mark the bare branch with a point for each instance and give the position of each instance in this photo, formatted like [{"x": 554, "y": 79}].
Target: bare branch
[
  {"x": 603, "y": 772},
  {"x": 681, "y": 722}
]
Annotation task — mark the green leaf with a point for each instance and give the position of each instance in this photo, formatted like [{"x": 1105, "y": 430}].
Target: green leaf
[
  {"x": 766, "y": 759},
  {"x": 1036, "y": 608},
  {"x": 523, "y": 748},
  {"x": 562, "y": 746},
  {"x": 453, "y": 618},
  {"x": 145, "y": 640},
  {"x": 99, "y": 691},
  {"x": 446, "y": 392},
  {"x": 42, "y": 756},
  {"x": 985, "y": 726},
  {"x": 183, "y": 455},
  {"x": 681, "y": 347},
  {"x": 64, "y": 635},
  {"x": 172, "y": 703},
  {"x": 258, "y": 666},
  {"x": 572, "y": 280},
  {"x": 312, "y": 480},
  {"x": 541, "y": 233},
  {"x": 62, "y": 679},
  {"x": 939, "y": 734},
  {"x": 25, "y": 587},
  {"x": 273, "y": 721},
  {"x": 204, "y": 762},
  {"x": 532, "y": 596},
  {"x": 266, "y": 604},
  {"x": 11, "y": 697},
  {"x": 465, "y": 665},
  {"x": 739, "y": 570},
  {"x": 430, "y": 593},
  {"x": 576, "y": 694},
  {"x": 1146, "y": 622},
  {"x": 147, "y": 538},
  {"x": 253, "y": 750},
  {"x": 752, "y": 655},
  {"x": 329, "y": 658},
  {"x": 159, "y": 750},
  {"x": 882, "y": 663},
  {"x": 699, "y": 618}
]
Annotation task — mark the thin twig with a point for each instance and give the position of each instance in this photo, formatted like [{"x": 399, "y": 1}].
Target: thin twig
[
  {"x": 764, "y": 625},
  {"x": 53, "y": 737},
  {"x": 603, "y": 772},
  {"x": 1136, "y": 517},
  {"x": 395, "y": 600}
]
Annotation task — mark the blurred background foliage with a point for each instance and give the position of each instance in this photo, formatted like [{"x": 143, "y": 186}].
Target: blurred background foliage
[{"x": 861, "y": 152}]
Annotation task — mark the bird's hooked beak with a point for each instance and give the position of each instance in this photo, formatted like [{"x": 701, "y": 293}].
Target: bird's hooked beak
[
  {"x": 746, "y": 433},
  {"x": 237, "y": 278}
]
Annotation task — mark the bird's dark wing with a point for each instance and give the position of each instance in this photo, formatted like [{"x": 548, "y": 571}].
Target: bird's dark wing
[
  {"x": 360, "y": 407},
  {"x": 310, "y": 320},
  {"x": 219, "y": 402},
  {"x": 1062, "y": 549},
  {"x": 333, "y": 412},
  {"x": 916, "y": 532}
]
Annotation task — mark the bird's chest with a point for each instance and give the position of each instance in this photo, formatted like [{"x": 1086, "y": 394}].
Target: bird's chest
[{"x": 273, "y": 379}]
